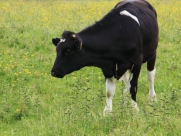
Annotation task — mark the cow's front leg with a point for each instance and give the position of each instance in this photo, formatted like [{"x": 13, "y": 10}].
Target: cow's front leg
[
  {"x": 133, "y": 85},
  {"x": 110, "y": 90}
]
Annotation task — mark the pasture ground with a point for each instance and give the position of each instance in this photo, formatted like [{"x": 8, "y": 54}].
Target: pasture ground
[{"x": 32, "y": 103}]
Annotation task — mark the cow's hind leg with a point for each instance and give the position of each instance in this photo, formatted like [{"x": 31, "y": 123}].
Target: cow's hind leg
[
  {"x": 126, "y": 81},
  {"x": 134, "y": 83},
  {"x": 110, "y": 90},
  {"x": 151, "y": 76}
]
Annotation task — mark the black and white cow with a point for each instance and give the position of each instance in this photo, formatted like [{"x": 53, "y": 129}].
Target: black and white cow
[{"x": 120, "y": 42}]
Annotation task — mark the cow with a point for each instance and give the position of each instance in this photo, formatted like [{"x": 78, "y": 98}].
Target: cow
[{"x": 118, "y": 44}]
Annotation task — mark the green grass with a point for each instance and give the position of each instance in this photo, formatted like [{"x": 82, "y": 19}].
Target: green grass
[{"x": 32, "y": 103}]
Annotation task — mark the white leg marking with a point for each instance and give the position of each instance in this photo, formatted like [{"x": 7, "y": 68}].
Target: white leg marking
[
  {"x": 129, "y": 85},
  {"x": 126, "y": 81},
  {"x": 110, "y": 90},
  {"x": 151, "y": 77}
]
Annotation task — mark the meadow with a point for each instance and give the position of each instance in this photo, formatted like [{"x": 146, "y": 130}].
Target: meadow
[{"x": 33, "y": 103}]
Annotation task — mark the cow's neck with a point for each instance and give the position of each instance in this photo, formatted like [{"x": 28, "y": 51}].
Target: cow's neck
[
  {"x": 97, "y": 51},
  {"x": 95, "y": 44}
]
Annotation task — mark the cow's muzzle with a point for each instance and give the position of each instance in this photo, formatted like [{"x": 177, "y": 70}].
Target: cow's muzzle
[{"x": 54, "y": 73}]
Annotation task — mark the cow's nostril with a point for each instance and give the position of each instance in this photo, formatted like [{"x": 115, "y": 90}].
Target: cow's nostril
[{"x": 53, "y": 73}]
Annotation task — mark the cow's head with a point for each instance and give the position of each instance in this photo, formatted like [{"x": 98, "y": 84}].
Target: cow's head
[{"x": 69, "y": 54}]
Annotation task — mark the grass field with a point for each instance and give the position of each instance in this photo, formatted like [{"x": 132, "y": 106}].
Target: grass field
[{"x": 32, "y": 103}]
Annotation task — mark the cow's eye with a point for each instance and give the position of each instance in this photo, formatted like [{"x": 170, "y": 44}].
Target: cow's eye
[{"x": 67, "y": 52}]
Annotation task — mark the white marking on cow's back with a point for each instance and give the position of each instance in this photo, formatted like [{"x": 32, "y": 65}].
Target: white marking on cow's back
[{"x": 126, "y": 13}]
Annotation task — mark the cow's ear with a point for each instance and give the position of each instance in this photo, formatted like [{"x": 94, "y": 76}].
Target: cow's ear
[
  {"x": 76, "y": 43},
  {"x": 67, "y": 34},
  {"x": 55, "y": 41}
]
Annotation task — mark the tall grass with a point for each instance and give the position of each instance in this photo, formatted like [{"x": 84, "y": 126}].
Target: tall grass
[{"x": 34, "y": 103}]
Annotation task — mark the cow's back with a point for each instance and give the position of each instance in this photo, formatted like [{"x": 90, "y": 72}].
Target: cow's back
[{"x": 147, "y": 17}]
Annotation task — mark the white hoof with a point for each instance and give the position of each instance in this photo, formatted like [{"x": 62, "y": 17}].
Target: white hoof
[
  {"x": 152, "y": 97},
  {"x": 135, "y": 106},
  {"x": 107, "y": 111}
]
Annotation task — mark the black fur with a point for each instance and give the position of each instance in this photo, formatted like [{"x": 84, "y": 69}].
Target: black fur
[{"x": 114, "y": 40}]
